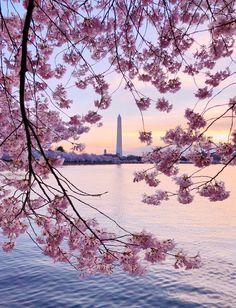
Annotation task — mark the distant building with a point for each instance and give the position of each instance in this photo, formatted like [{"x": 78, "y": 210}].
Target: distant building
[
  {"x": 105, "y": 152},
  {"x": 119, "y": 137}
]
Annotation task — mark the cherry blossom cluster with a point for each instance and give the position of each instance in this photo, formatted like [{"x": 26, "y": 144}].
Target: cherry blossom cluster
[
  {"x": 52, "y": 51},
  {"x": 156, "y": 198},
  {"x": 83, "y": 243},
  {"x": 145, "y": 137},
  {"x": 192, "y": 145},
  {"x": 215, "y": 192}
]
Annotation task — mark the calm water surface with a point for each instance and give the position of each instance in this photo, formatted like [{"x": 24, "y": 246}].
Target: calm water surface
[{"x": 28, "y": 279}]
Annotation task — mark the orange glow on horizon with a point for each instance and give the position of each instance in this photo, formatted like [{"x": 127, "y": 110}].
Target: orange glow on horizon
[{"x": 96, "y": 144}]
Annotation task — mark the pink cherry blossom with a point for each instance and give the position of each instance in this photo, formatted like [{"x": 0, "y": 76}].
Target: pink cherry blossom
[
  {"x": 92, "y": 117},
  {"x": 200, "y": 159},
  {"x": 196, "y": 121},
  {"x": 203, "y": 93},
  {"x": 143, "y": 103},
  {"x": 8, "y": 246},
  {"x": 62, "y": 64},
  {"x": 179, "y": 137},
  {"x": 156, "y": 198},
  {"x": 182, "y": 261},
  {"x": 184, "y": 196},
  {"x": 139, "y": 176},
  {"x": 163, "y": 105},
  {"x": 145, "y": 137},
  {"x": 215, "y": 192},
  {"x": 214, "y": 80},
  {"x": 184, "y": 181}
]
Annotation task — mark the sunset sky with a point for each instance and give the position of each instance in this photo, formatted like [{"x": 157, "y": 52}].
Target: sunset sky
[
  {"x": 158, "y": 122},
  {"x": 100, "y": 138}
]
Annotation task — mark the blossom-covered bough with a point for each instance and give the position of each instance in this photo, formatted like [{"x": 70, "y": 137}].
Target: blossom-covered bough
[{"x": 50, "y": 49}]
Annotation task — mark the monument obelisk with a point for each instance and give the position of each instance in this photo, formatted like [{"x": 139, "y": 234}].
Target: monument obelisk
[{"x": 119, "y": 137}]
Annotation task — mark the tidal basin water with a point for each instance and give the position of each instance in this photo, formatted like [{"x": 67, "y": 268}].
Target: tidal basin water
[{"x": 29, "y": 279}]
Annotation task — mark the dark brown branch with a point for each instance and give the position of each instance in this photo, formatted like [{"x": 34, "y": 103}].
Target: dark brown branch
[{"x": 23, "y": 71}]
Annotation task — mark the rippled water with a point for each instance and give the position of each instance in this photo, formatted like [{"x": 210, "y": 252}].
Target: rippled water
[{"x": 29, "y": 279}]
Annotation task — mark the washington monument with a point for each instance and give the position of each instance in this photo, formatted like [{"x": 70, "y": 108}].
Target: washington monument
[{"x": 119, "y": 137}]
